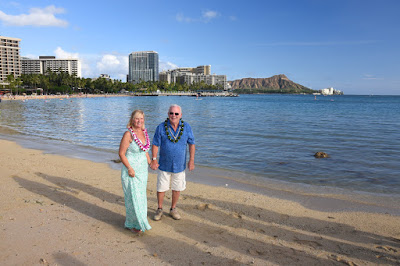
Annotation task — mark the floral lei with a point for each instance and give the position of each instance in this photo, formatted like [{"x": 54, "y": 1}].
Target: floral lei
[
  {"x": 138, "y": 142},
  {"x": 178, "y": 136}
]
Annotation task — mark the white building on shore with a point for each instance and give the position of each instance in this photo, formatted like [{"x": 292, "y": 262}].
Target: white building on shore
[
  {"x": 331, "y": 91},
  {"x": 10, "y": 60},
  {"x": 190, "y": 75},
  {"x": 41, "y": 65}
]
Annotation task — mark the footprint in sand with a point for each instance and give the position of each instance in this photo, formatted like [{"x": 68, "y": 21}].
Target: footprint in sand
[
  {"x": 313, "y": 244},
  {"x": 387, "y": 248},
  {"x": 203, "y": 206}
]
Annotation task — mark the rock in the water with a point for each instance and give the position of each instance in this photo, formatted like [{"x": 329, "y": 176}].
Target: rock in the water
[{"x": 321, "y": 154}]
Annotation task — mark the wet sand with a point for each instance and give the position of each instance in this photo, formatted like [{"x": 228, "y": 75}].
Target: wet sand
[{"x": 61, "y": 210}]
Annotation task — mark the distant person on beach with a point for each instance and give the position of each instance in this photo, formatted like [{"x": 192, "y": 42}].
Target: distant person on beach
[
  {"x": 133, "y": 152},
  {"x": 171, "y": 138}
]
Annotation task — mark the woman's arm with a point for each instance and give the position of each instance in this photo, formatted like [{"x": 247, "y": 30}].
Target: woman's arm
[
  {"x": 123, "y": 147},
  {"x": 148, "y": 158}
]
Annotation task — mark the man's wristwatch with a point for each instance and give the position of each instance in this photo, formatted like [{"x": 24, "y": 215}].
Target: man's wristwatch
[{"x": 154, "y": 158}]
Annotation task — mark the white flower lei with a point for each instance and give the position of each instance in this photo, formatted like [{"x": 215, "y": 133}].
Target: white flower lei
[{"x": 138, "y": 142}]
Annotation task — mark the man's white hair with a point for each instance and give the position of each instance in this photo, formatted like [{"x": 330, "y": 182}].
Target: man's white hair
[{"x": 174, "y": 105}]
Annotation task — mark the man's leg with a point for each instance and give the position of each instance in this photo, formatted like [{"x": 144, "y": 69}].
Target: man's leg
[
  {"x": 159, "y": 212},
  {"x": 160, "y": 199},
  {"x": 175, "y": 197},
  {"x": 163, "y": 179},
  {"x": 173, "y": 212},
  {"x": 178, "y": 184}
]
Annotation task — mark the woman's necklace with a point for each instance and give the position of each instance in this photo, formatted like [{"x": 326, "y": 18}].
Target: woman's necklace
[
  {"x": 176, "y": 138},
  {"x": 145, "y": 147}
]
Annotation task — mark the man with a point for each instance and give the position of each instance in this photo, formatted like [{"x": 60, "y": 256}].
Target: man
[{"x": 171, "y": 138}]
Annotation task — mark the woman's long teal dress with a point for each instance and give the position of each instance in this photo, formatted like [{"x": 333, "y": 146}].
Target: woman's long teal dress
[{"x": 135, "y": 189}]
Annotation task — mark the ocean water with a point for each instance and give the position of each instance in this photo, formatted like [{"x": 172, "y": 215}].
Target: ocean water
[{"x": 272, "y": 137}]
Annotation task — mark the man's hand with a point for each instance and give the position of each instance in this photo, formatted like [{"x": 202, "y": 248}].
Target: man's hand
[
  {"x": 191, "y": 165},
  {"x": 154, "y": 165}
]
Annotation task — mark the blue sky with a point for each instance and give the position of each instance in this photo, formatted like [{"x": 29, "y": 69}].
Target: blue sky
[{"x": 351, "y": 45}]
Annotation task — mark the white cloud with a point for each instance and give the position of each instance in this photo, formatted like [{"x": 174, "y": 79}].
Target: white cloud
[
  {"x": 88, "y": 63},
  {"x": 30, "y": 56},
  {"x": 85, "y": 61},
  {"x": 36, "y": 17},
  {"x": 166, "y": 66},
  {"x": 181, "y": 18},
  {"x": 93, "y": 65},
  {"x": 209, "y": 15},
  {"x": 206, "y": 16},
  {"x": 61, "y": 54},
  {"x": 116, "y": 66},
  {"x": 14, "y": 4},
  {"x": 371, "y": 77},
  {"x": 113, "y": 64},
  {"x": 108, "y": 61}
]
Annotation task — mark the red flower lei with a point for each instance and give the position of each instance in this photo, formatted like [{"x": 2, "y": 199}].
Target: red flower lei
[{"x": 138, "y": 142}]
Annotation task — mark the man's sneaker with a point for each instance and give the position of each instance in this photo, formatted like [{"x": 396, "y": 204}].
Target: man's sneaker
[
  {"x": 174, "y": 213},
  {"x": 158, "y": 215}
]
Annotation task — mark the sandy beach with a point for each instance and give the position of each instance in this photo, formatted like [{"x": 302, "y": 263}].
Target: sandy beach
[{"x": 57, "y": 210}]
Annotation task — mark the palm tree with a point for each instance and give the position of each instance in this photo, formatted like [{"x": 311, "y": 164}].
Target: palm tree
[
  {"x": 52, "y": 77},
  {"x": 10, "y": 79},
  {"x": 35, "y": 79},
  {"x": 44, "y": 83},
  {"x": 18, "y": 83}
]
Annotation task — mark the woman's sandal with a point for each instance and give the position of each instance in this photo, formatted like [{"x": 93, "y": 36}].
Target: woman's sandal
[{"x": 136, "y": 231}]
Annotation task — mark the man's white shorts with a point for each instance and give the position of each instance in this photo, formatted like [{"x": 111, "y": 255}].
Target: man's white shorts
[{"x": 178, "y": 181}]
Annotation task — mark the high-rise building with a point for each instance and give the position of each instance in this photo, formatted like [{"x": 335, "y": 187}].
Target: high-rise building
[
  {"x": 202, "y": 70},
  {"x": 10, "y": 60},
  {"x": 143, "y": 66},
  {"x": 41, "y": 65}
]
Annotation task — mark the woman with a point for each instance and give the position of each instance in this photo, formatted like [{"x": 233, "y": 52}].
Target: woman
[{"x": 133, "y": 152}]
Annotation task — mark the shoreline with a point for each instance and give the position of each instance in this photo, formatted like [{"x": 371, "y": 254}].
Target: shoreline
[
  {"x": 62, "y": 96},
  {"x": 334, "y": 198},
  {"x": 76, "y": 214},
  {"x": 131, "y": 94}
]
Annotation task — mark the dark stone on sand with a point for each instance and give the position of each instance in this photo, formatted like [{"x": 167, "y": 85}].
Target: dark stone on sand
[
  {"x": 321, "y": 154},
  {"x": 116, "y": 161}
]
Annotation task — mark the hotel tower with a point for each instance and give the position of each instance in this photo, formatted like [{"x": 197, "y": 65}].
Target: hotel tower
[
  {"x": 143, "y": 66},
  {"x": 10, "y": 60}
]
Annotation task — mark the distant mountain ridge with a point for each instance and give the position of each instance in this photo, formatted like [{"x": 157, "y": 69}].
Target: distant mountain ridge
[{"x": 275, "y": 84}]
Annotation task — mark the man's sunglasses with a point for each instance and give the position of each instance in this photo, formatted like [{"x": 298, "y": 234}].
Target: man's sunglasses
[{"x": 171, "y": 113}]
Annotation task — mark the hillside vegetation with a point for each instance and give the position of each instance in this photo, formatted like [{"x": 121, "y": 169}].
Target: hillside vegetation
[{"x": 275, "y": 84}]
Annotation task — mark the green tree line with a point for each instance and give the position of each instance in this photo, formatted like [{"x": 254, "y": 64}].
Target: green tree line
[{"x": 64, "y": 83}]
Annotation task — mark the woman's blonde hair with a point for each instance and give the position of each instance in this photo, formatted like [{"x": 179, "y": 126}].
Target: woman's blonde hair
[{"x": 133, "y": 115}]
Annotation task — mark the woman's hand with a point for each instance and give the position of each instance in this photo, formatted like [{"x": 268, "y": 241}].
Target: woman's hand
[
  {"x": 131, "y": 172},
  {"x": 154, "y": 165}
]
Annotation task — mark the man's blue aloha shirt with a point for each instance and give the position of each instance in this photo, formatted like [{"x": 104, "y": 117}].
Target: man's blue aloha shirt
[{"x": 172, "y": 155}]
